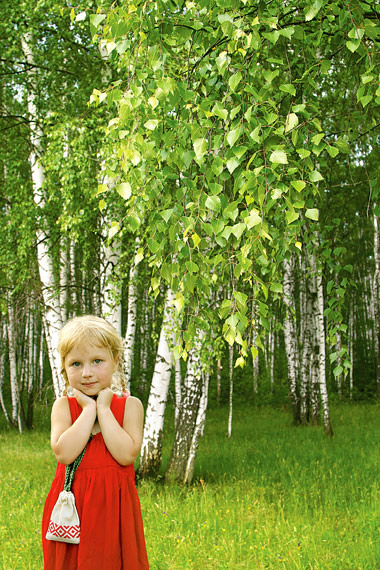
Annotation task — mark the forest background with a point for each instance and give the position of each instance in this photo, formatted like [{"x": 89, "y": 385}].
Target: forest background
[{"x": 204, "y": 174}]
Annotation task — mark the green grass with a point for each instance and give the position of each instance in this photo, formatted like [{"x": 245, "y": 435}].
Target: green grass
[{"x": 273, "y": 496}]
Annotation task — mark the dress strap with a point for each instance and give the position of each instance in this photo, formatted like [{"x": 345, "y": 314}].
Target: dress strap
[
  {"x": 75, "y": 409},
  {"x": 118, "y": 407}
]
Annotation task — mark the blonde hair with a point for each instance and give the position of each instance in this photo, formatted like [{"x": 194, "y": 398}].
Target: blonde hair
[{"x": 96, "y": 331}]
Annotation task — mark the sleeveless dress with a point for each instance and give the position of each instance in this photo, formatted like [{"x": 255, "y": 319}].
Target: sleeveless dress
[{"x": 112, "y": 535}]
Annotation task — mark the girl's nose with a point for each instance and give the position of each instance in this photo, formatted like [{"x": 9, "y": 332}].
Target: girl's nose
[{"x": 87, "y": 371}]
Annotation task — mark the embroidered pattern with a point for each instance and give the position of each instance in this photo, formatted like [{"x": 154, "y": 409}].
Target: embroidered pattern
[{"x": 64, "y": 533}]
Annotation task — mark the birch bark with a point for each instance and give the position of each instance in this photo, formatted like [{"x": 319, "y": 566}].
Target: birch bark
[
  {"x": 231, "y": 378},
  {"x": 198, "y": 431},
  {"x": 290, "y": 335},
  {"x": 2, "y": 362},
  {"x": 150, "y": 457},
  {"x": 50, "y": 291},
  {"x": 129, "y": 340},
  {"x": 15, "y": 393},
  {"x": 186, "y": 439},
  {"x": 322, "y": 357},
  {"x": 375, "y": 298}
]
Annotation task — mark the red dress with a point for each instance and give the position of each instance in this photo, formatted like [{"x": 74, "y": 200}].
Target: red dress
[{"x": 112, "y": 535}]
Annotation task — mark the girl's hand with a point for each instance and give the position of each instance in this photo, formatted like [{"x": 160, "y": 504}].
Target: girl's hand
[
  {"x": 104, "y": 398},
  {"x": 83, "y": 400}
]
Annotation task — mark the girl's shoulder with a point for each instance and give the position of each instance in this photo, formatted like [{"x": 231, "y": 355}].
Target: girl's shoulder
[{"x": 61, "y": 404}]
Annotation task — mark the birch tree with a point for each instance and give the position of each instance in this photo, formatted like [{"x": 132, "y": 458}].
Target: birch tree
[{"x": 150, "y": 456}]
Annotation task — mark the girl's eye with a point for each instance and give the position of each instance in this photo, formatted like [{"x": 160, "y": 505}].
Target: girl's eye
[
  {"x": 98, "y": 360},
  {"x": 75, "y": 364}
]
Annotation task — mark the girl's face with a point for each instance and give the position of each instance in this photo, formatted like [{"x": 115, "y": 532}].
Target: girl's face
[{"x": 89, "y": 368}]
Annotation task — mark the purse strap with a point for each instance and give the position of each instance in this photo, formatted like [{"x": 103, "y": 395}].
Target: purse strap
[{"x": 70, "y": 469}]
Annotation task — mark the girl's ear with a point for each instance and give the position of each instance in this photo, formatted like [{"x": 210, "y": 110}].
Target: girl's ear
[{"x": 117, "y": 360}]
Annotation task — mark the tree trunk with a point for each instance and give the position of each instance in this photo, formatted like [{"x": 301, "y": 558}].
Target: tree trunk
[
  {"x": 375, "y": 298},
  {"x": 129, "y": 339},
  {"x": 186, "y": 443},
  {"x": 17, "y": 415},
  {"x": 2, "y": 362},
  {"x": 198, "y": 430},
  {"x": 231, "y": 378},
  {"x": 290, "y": 335},
  {"x": 306, "y": 312},
  {"x": 150, "y": 458},
  {"x": 111, "y": 304},
  {"x": 178, "y": 389},
  {"x": 322, "y": 357},
  {"x": 50, "y": 291},
  {"x": 219, "y": 369}
]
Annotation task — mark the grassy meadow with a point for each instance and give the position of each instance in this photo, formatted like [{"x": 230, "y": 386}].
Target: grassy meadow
[{"x": 273, "y": 496}]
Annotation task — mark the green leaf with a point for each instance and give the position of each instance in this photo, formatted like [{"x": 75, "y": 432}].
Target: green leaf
[
  {"x": 151, "y": 124},
  {"x": 291, "y": 216},
  {"x": 95, "y": 21},
  {"x": 338, "y": 371},
  {"x": 312, "y": 11},
  {"x": 115, "y": 227},
  {"x": 219, "y": 111},
  {"x": 166, "y": 214},
  {"x": 278, "y": 157},
  {"x": 291, "y": 122},
  {"x": 303, "y": 152},
  {"x": 253, "y": 219},
  {"x": 315, "y": 176},
  {"x": 200, "y": 148},
  {"x": 153, "y": 245},
  {"x": 232, "y": 164},
  {"x": 312, "y": 214},
  {"x": 125, "y": 190},
  {"x": 255, "y": 134},
  {"x": 276, "y": 287},
  {"x": 299, "y": 185},
  {"x": 213, "y": 203},
  {"x": 234, "y": 135},
  {"x": 217, "y": 166},
  {"x": 365, "y": 100},
  {"x": 288, "y": 88},
  {"x": 332, "y": 150},
  {"x": 234, "y": 80},
  {"x": 238, "y": 230},
  {"x": 353, "y": 45}
]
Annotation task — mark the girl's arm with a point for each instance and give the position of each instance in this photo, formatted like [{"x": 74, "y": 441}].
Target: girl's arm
[
  {"x": 68, "y": 439},
  {"x": 123, "y": 443}
]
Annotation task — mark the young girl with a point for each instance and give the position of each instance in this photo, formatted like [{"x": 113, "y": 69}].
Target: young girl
[{"x": 111, "y": 535}]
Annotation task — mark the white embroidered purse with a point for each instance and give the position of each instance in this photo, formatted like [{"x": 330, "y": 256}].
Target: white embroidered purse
[{"x": 64, "y": 525}]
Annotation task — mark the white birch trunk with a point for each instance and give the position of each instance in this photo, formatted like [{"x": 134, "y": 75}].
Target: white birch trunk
[
  {"x": 322, "y": 357},
  {"x": 231, "y": 378},
  {"x": 111, "y": 305},
  {"x": 198, "y": 431},
  {"x": 255, "y": 361},
  {"x": 129, "y": 340},
  {"x": 375, "y": 298},
  {"x": 50, "y": 292},
  {"x": 182, "y": 458},
  {"x": 144, "y": 342},
  {"x": 219, "y": 369},
  {"x": 2, "y": 362},
  {"x": 15, "y": 395},
  {"x": 178, "y": 389},
  {"x": 63, "y": 280},
  {"x": 290, "y": 335},
  {"x": 306, "y": 311},
  {"x": 351, "y": 340},
  {"x": 150, "y": 457}
]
